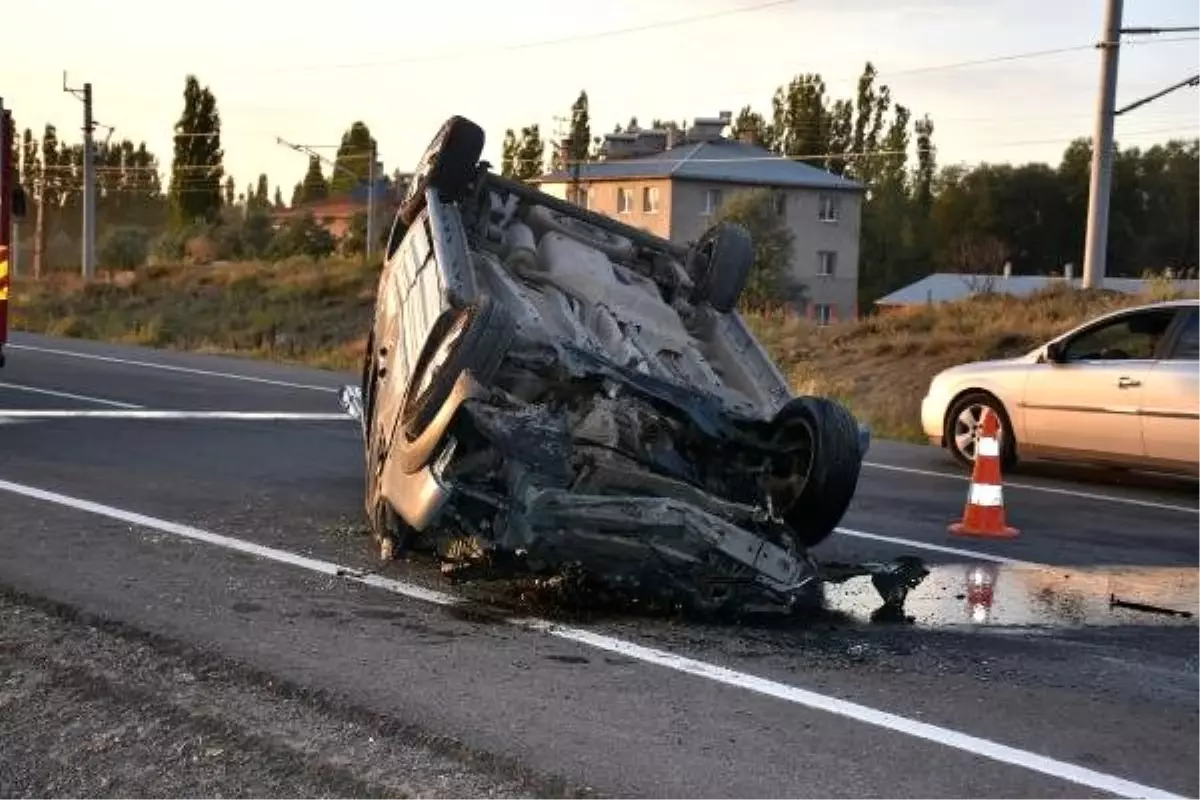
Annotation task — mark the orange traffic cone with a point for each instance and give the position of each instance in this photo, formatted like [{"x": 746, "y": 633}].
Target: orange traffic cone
[{"x": 984, "y": 514}]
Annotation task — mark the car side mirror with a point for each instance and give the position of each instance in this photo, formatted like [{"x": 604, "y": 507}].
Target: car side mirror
[{"x": 1054, "y": 353}]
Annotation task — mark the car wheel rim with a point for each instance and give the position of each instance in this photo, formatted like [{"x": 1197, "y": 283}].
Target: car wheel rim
[{"x": 968, "y": 426}]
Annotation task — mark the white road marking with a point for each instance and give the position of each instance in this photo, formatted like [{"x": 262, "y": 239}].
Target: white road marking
[
  {"x": 67, "y": 395},
  {"x": 1109, "y": 498},
  {"x": 937, "y": 548},
  {"x": 295, "y": 416},
  {"x": 947, "y": 737},
  {"x": 172, "y": 368}
]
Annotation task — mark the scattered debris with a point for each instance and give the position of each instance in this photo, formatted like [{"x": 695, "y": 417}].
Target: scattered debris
[{"x": 1116, "y": 602}]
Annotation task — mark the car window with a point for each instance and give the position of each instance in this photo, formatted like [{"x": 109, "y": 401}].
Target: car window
[
  {"x": 1134, "y": 336},
  {"x": 1187, "y": 346}
]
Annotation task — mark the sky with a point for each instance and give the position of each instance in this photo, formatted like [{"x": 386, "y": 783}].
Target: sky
[{"x": 305, "y": 72}]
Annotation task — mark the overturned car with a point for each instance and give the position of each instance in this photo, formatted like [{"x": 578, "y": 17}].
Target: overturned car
[{"x": 545, "y": 387}]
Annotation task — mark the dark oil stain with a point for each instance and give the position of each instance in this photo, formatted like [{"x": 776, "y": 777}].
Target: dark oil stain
[
  {"x": 379, "y": 613},
  {"x": 477, "y": 614},
  {"x": 569, "y": 659},
  {"x": 618, "y": 661},
  {"x": 246, "y": 608},
  {"x": 322, "y": 613}
]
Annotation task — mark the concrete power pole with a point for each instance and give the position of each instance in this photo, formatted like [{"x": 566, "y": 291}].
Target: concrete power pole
[
  {"x": 89, "y": 181},
  {"x": 370, "y": 244},
  {"x": 1100, "y": 189},
  {"x": 89, "y": 188}
]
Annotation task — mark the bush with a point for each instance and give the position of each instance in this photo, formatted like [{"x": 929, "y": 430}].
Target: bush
[
  {"x": 303, "y": 236},
  {"x": 124, "y": 248}
]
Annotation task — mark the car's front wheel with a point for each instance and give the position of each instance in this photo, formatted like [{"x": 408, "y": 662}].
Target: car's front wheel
[{"x": 964, "y": 427}]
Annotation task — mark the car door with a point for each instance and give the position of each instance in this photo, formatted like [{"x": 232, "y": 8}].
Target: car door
[
  {"x": 1171, "y": 398},
  {"x": 1087, "y": 402}
]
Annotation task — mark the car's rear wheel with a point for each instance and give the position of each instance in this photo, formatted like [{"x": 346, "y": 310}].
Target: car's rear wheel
[
  {"x": 720, "y": 264},
  {"x": 473, "y": 339},
  {"x": 830, "y": 476},
  {"x": 964, "y": 425}
]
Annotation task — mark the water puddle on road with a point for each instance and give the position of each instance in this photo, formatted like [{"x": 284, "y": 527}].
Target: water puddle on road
[{"x": 988, "y": 594}]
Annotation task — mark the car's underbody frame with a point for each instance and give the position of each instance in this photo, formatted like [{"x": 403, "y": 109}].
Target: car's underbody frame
[{"x": 545, "y": 387}]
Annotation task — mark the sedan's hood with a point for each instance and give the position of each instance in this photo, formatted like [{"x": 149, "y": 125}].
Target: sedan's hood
[{"x": 992, "y": 366}]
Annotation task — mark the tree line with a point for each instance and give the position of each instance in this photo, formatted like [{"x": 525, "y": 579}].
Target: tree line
[
  {"x": 917, "y": 217},
  {"x": 199, "y": 213}
]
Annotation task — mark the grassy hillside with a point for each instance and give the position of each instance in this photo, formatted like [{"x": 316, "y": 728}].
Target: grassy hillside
[{"x": 316, "y": 313}]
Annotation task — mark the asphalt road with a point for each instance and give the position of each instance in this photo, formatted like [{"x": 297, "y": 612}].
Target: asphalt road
[{"x": 172, "y": 623}]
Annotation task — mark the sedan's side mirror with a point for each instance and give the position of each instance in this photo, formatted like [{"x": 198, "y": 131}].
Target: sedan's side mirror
[{"x": 1054, "y": 353}]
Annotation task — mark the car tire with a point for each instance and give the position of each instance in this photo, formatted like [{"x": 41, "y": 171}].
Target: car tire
[
  {"x": 449, "y": 165},
  {"x": 720, "y": 264},
  {"x": 972, "y": 405},
  {"x": 473, "y": 339},
  {"x": 835, "y": 463}
]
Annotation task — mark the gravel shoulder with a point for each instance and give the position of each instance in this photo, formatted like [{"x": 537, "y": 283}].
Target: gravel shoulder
[{"x": 89, "y": 708}]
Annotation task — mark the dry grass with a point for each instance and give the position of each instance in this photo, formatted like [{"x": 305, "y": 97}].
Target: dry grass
[
  {"x": 317, "y": 313},
  {"x": 881, "y": 366},
  {"x": 294, "y": 311}
]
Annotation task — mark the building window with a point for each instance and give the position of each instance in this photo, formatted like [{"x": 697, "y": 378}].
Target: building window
[
  {"x": 624, "y": 200},
  {"x": 828, "y": 209},
  {"x": 823, "y": 313},
  {"x": 780, "y": 199},
  {"x": 580, "y": 196},
  {"x": 712, "y": 201},
  {"x": 826, "y": 263},
  {"x": 650, "y": 200}
]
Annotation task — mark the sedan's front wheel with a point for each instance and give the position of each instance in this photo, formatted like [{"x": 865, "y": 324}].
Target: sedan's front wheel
[{"x": 964, "y": 426}]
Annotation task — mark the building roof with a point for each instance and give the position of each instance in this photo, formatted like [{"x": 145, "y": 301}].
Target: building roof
[
  {"x": 942, "y": 287},
  {"x": 722, "y": 161}
]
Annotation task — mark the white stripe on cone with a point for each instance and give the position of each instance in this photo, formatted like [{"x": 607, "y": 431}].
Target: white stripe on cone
[
  {"x": 986, "y": 494},
  {"x": 988, "y": 447}
]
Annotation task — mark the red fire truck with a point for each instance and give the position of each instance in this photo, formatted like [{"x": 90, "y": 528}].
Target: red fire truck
[{"x": 12, "y": 204}]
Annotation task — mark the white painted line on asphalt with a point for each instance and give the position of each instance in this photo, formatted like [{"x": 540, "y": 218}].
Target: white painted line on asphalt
[
  {"x": 1033, "y": 487},
  {"x": 947, "y": 737},
  {"x": 937, "y": 548},
  {"x": 66, "y": 395},
  {"x": 294, "y": 416},
  {"x": 172, "y": 368}
]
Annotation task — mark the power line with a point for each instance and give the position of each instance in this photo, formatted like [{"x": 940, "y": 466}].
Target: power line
[
  {"x": 571, "y": 39},
  {"x": 1151, "y": 31},
  {"x": 1192, "y": 81},
  {"x": 199, "y": 180},
  {"x": 991, "y": 60}
]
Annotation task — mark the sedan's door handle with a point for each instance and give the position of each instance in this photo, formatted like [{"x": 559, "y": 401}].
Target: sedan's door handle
[{"x": 1125, "y": 382}]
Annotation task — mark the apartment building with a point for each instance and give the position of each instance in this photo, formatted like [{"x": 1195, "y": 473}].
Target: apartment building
[{"x": 673, "y": 183}]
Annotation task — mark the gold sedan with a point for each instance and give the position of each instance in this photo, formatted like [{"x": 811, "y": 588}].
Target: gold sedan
[{"x": 1120, "y": 390}]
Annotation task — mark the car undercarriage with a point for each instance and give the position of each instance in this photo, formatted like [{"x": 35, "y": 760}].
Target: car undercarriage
[{"x": 547, "y": 389}]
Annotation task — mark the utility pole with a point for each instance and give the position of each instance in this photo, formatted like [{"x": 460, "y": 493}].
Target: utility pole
[
  {"x": 1100, "y": 189},
  {"x": 89, "y": 180},
  {"x": 370, "y": 248},
  {"x": 39, "y": 225}
]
